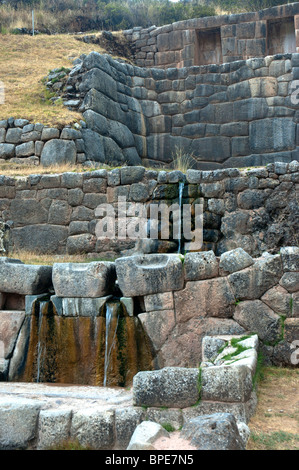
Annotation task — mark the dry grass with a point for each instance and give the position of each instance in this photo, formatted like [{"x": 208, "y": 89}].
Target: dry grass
[
  {"x": 24, "y": 62},
  {"x": 29, "y": 257},
  {"x": 275, "y": 425}
]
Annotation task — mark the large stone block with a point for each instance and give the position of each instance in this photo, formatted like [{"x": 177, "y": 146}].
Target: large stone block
[
  {"x": 234, "y": 260},
  {"x": 199, "y": 266},
  {"x": 255, "y": 316},
  {"x": 231, "y": 383},
  {"x": 290, "y": 258},
  {"x": 194, "y": 301},
  {"x": 254, "y": 281},
  {"x": 58, "y": 152},
  {"x": 53, "y": 428},
  {"x": 272, "y": 135},
  {"x": 158, "y": 326},
  {"x": 10, "y": 324},
  {"x": 171, "y": 386},
  {"x": 24, "y": 279},
  {"x": 149, "y": 274},
  {"x": 95, "y": 279},
  {"x": 41, "y": 238},
  {"x": 93, "y": 427},
  {"x": 18, "y": 422}
]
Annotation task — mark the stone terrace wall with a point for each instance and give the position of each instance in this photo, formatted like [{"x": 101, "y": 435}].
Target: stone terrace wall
[
  {"x": 236, "y": 37},
  {"x": 24, "y": 142},
  {"x": 222, "y": 116},
  {"x": 256, "y": 209},
  {"x": 238, "y": 114}
]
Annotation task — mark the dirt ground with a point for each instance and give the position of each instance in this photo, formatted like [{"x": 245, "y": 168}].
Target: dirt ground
[{"x": 275, "y": 425}]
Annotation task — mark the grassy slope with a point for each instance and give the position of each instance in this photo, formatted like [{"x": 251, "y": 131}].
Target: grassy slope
[
  {"x": 275, "y": 425},
  {"x": 24, "y": 62}
]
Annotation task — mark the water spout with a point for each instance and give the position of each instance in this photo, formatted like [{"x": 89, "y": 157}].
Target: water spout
[
  {"x": 181, "y": 189},
  {"x": 112, "y": 317}
]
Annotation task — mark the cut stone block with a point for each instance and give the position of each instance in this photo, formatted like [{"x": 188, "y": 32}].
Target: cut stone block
[
  {"x": 25, "y": 279},
  {"x": 231, "y": 383},
  {"x": 172, "y": 386},
  {"x": 149, "y": 274},
  {"x": 146, "y": 434},
  {"x": 95, "y": 279},
  {"x": 199, "y": 266}
]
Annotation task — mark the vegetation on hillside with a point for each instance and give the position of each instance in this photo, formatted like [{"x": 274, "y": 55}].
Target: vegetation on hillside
[{"x": 60, "y": 16}]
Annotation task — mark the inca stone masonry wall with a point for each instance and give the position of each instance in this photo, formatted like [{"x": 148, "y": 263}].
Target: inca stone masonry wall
[
  {"x": 256, "y": 209},
  {"x": 237, "y": 114},
  {"x": 213, "y": 40}
]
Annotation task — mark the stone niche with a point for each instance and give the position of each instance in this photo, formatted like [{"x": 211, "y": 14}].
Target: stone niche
[
  {"x": 208, "y": 49},
  {"x": 281, "y": 36}
]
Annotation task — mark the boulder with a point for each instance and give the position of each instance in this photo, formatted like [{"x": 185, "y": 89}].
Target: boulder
[
  {"x": 290, "y": 258},
  {"x": 24, "y": 279},
  {"x": 95, "y": 279},
  {"x": 174, "y": 387},
  {"x": 58, "y": 152},
  {"x": 218, "y": 431},
  {"x": 146, "y": 434},
  {"x": 149, "y": 274}
]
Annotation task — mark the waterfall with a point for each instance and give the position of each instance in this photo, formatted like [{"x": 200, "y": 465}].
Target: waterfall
[
  {"x": 181, "y": 189},
  {"x": 111, "y": 313},
  {"x": 42, "y": 306}
]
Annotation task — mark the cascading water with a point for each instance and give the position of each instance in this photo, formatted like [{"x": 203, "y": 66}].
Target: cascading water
[
  {"x": 181, "y": 189},
  {"x": 112, "y": 318},
  {"x": 107, "y": 348},
  {"x": 42, "y": 308}
]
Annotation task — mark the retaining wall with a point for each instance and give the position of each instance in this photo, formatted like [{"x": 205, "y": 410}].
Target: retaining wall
[
  {"x": 217, "y": 39},
  {"x": 255, "y": 209}
]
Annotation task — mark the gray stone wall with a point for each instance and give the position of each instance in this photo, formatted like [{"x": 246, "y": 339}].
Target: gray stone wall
[
  {"x": 22, "y": 142},
  {"x": 256, "y": 209},
  {"x": 237, "y": 37},
  {"x": 237, "y": 114}
]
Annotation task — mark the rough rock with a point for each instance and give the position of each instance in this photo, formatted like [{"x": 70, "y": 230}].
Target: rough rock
[
  {"x": 95, "y": 279},
  {"x": 171, "y": 386},
  {"x": 146, "y": 434},
  {"x": 213, "y": 432},
  {"x": 149, "y": 274}
]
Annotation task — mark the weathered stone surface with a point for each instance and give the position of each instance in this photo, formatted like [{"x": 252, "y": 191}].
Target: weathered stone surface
[
  {"x": 10, "y": 324},
  {"x": 234, "y": 260},
  {"x": 158, "y": 326},
  {"x": 195, "y": 300},
  {"x": 53, "y": 428},
  {"x": 163, "y": 301},
  {"x": 290, "y": 258},
  {"x": 18, "y": 422},
  {"x": 25, "y": 279},
  {"x": 48, "y": 238},
  {"x": 272, "y": 135},
  {"x": 231, "y": 383},
  {"x": 174, "y": 387},
  {"x": 146, "y": 434},
  {"x": 95, "y": 279},
  {"x": 210, "y": 347},
  {"x": 58, "y": 152},
  {"x": 94, "y": 428},
  {"x": 199, "y": 266},
  {"x": 152, "y": 274},
  {"x": 7, "y": 151},
  {"x": 279, "y": 300},
  {"x": 291, "y": 329},
  {"x": 213, "y": 432},
  {"x": 253, "y": 282},
  {"x": 257, "y": 317},
  {"x": 290, "y": 281}
]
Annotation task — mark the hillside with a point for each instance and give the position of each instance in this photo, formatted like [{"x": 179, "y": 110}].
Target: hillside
[{"x": 24, "y": 63}]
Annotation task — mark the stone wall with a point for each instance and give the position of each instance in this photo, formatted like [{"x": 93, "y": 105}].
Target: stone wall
[
  {"x": 23, "y": 142},
  {"x": 211, "y": 40},
  {"x": 255, "y": 209},
  {"x": 238, "y": 114}
]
